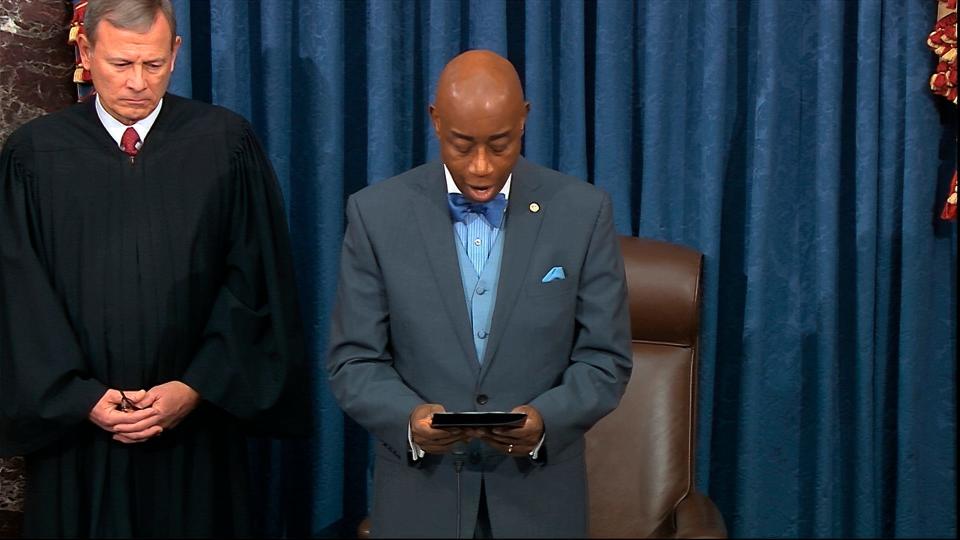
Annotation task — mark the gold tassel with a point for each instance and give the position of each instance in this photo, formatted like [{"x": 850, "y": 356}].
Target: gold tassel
[
  {"x": 78, "y": 75},
  {"x": 74, "y": 32}
]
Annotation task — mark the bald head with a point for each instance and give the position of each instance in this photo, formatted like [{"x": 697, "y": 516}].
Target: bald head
[
  {"x": 479, "y": 78},
  {"x": 479, "y": 116}
]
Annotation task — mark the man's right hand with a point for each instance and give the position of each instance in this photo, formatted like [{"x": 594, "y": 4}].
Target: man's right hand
[
  {"x": 432, "y": 441},
  {"x": 107, "y": 415}
]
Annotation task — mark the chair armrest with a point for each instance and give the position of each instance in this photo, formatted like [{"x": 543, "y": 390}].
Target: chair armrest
[
  {"x": 363, "y": 529},
  {"x": 698, "y": 517}
]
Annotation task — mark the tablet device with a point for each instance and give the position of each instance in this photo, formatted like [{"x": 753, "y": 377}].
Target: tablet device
[{"x": 477, "y": 419}]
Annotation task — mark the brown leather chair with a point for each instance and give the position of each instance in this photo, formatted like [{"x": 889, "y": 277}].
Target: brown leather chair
[{"x": 640, "y": 457}]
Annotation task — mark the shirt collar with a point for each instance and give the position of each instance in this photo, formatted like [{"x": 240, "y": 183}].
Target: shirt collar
[
  {"x": 452, "y": 186},
  {"x": 115, "y": 128}
]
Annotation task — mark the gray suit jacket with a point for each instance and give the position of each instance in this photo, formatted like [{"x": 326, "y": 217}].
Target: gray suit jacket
[{"x": 401, "y": 336}]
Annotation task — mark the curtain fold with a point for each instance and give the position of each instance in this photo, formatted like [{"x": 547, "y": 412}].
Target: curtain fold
[{"x": 795, "y": 144}]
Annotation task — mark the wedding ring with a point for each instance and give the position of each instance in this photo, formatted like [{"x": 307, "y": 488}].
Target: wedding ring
[{"x": 510, "y": 449}]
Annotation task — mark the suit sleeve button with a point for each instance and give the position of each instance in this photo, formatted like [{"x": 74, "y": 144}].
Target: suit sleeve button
[{"x": 482, "y": 399}]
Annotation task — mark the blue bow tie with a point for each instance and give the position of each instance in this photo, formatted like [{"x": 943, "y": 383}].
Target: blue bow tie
[{"x": 460, "y": 206}]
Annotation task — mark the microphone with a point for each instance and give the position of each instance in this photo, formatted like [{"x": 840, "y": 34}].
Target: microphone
[{"x": 459, "y": 457}]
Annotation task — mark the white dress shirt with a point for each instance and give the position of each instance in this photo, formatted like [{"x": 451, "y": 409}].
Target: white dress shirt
[{"x": 116, "y": 128}]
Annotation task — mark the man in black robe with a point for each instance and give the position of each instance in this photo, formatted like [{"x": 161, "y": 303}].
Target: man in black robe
[{"x": 148, "y": 315}]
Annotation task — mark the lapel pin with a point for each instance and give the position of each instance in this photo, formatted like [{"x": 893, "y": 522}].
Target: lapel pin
[{"x": 534, "y": 207}]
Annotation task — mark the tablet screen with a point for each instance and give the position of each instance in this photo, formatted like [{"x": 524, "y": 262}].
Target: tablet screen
[{"x": 477, "y": 419}]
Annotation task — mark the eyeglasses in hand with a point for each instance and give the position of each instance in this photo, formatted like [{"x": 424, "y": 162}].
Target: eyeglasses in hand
[{"x": 125, "y": 404}]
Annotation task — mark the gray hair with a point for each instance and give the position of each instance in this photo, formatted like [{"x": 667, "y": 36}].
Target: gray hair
[{"x": 134, "y": 15}]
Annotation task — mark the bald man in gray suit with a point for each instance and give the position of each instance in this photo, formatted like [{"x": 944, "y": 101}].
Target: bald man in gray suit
[{"x": 481, "y": 282}]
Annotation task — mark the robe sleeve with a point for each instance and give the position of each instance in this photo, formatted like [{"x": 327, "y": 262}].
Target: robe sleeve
[
  {"x": 46, "y": 390},
  {"x": 251, "y": 359}
]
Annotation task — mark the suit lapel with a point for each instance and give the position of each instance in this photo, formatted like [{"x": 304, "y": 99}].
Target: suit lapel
[
  {"x": 521, "y": 229},
  {"x": 438, "y": 239}
]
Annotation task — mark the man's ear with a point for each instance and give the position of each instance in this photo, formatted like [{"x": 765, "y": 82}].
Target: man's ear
[
  {"x": 434, "y": 118},
  {"x": 173, "y": 57},
  {"x": 83, "y": 43}
]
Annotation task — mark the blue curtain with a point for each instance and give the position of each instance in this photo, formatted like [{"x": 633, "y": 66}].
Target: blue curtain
[{"x": 794, "y": 143}]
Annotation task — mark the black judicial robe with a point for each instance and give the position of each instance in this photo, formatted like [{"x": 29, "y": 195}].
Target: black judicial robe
[{"x": 120, "y": 273}]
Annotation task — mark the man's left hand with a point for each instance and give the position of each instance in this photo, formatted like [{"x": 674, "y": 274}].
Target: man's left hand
[
  {"x": 514, "y": 441},
  {"x": 172, "y": 400}
]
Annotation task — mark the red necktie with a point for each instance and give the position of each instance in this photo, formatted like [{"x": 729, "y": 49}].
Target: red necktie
[{"x": 129, "y": 141}]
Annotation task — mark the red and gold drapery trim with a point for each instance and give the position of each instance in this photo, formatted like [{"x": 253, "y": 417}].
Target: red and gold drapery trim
[
  {"x": 943, "y": 42},
  {"x": 81, "y": 76}
]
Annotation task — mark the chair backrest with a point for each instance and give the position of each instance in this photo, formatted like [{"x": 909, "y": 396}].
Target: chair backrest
[{"x": 640, "y": 457}]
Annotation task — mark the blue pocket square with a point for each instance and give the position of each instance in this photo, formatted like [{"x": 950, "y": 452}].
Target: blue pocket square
[{"x": 554, "y": 274}]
